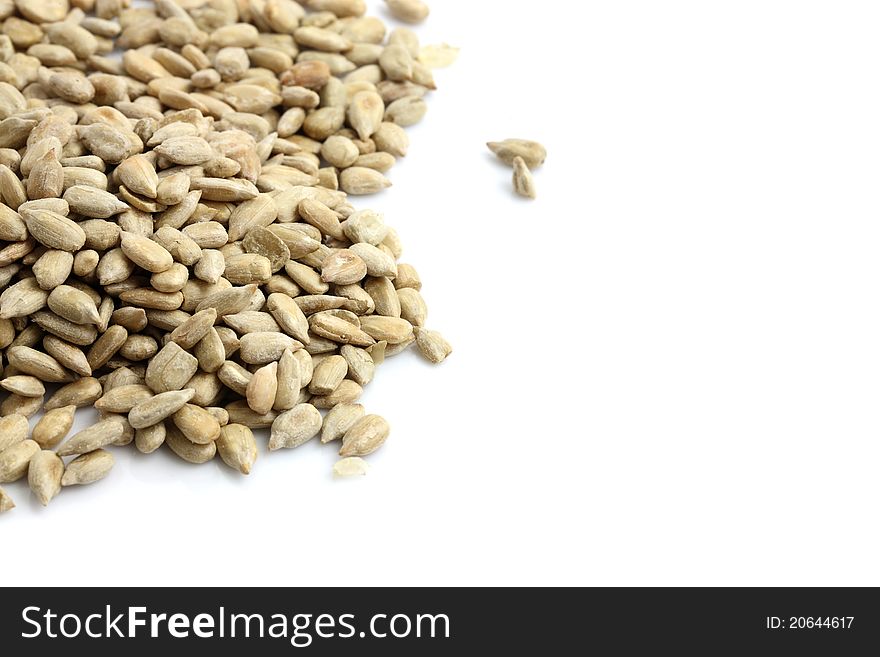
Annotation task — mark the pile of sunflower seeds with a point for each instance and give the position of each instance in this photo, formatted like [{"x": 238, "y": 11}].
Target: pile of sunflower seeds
[{"x": 177, "y": 245}]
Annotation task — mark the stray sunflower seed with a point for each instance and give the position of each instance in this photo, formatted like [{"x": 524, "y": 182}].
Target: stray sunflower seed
[{"x": 352, "y": 466}]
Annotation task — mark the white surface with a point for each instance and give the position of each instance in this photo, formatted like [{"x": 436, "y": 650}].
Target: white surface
[{"x": 666, "y": 368}]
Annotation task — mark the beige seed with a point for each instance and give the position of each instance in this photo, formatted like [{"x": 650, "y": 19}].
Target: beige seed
[
  {"x": 396, "y": 62},
  {"x": 532, "y": 153},
  {"x": 42, "y": 366},
  {"x": 262, "y": 387},
  {"x": 146, "y": 253},
  {"x": 237, "y": 447},
  {"x": 100, "y": 434},
  {"x": 170, "y": 369},
  {"x": 392, "y": 330},
  {"x": 14, "y": 460},
  {"x": 165, "y": 404},
  {"x": 73, "y": 305},
  {"x": 44, "y": 475},
  {"x": 289, "y": 316},
  {"x": 321, "y": 217},
  {"x": 407, "y": 276},
  {"x": 26, "y": 386},
  {"x": 432, "y": 345},
  {"x": 365, "y": 436},
  {"x": 186, "y": 449},
  {"x": 262, "y": 348},
  {"x": 385, "y": 298},
  {"x": 235, "y": 377},
  {"x": 523, "y": 182},
  {"x": 353, "y": 466},
  {"x": 196, "y": 424},
  {"x": 409, "y": 11},
  {"x": 138, "y": 174},
  {"x": 365, "y": 113},
  {"x": 149, "y": 439},
  {"x": 6, "y": 503},
  {"x": 106, "y": 346},
  {"x": 438, "y": 56},
  {"x": 210, "y": 351},
  {"x": 295, "y": 427},
  {"x": 46, "y": 179},
  {"x": 377, "y": 261},
  {"x": 247, "y": 268},
  {"x": 22, "y": 299},
  {"x": 80, "y": 393},
  {"x": 52, "y": 427},
  {"x": 88, "y": 468},
  {"x": 361, "y": 367},
  {"x": 262, "y": 241},
  {"x": 343, "y": 267},
  {"x": 13, "y": 430},
  {"x": 228, "y": 302},
  {"x": 365, "y": 226},
  {"x": 406, "y": 111},
  {"x": 339, "y": 420},
  {"x": 359, "y": 181},
  {"x": 328, "y": 374},
  {"x": 412, "y": 306},
  {"x": 391, "y": 138},
  {"x": 93, "y": 202},
  {"x": 16, "y": 404},
  {"x": 185, "y": 150},
  {"x": 339, "y": 330},
  {"x": 340, "y": 151},
  {"x": 346, "y": 392},
  {"x": 123, "y": 398},
  {"x": 188, "y": 334},
  {"x": 54, "y": 230},
  {"x": 289, "y": 381}
]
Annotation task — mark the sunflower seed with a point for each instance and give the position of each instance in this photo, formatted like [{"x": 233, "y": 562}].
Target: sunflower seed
[
  {"x": 365, "y": 436},
  {"x": 6, "y": 503},
  {"x": 88, "y": 468},
  {"x": 295, "y": 427},
  {"x": 156, "y": 409},
  {"x": 14, "y": 460},
  {"x": 531, "y": 152},
  {"x": 52, "y": 427},
  {"x": 44, "y": 475},
  {"x": 352, "y": 466},
  {"x": 237, "y": 447}
]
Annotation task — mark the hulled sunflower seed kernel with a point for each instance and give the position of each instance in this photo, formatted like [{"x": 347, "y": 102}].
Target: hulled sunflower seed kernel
[
  {"x": 13, "y": 430},
  {"x": 44, "y": 475},
  {"x": 14, "y": 460},
  {"x": 339, "y": 420},
  {"x": 159, "y": 407},
  {"x": 186, "y": 449},
  {"x": 523, "y": 182},
  {"x": 532, "y": 153},
  {"x": 365, "y": 436},
  {"x": 352, "y": 466},
  {"x": 196, "y": 424},
  {"x": 295, "y": 427},
  {"x": 6, "y": 503},
  {"x": 53, "y": 427},
  {"x": 237, "y": 447},
  {"x": 101, "y": 434},
  {"x": 88, "y": 468},
  {"x": 432, "y": 345}
]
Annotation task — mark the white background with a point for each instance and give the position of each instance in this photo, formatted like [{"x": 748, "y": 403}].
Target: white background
[{"x": 667, "y": 368}]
